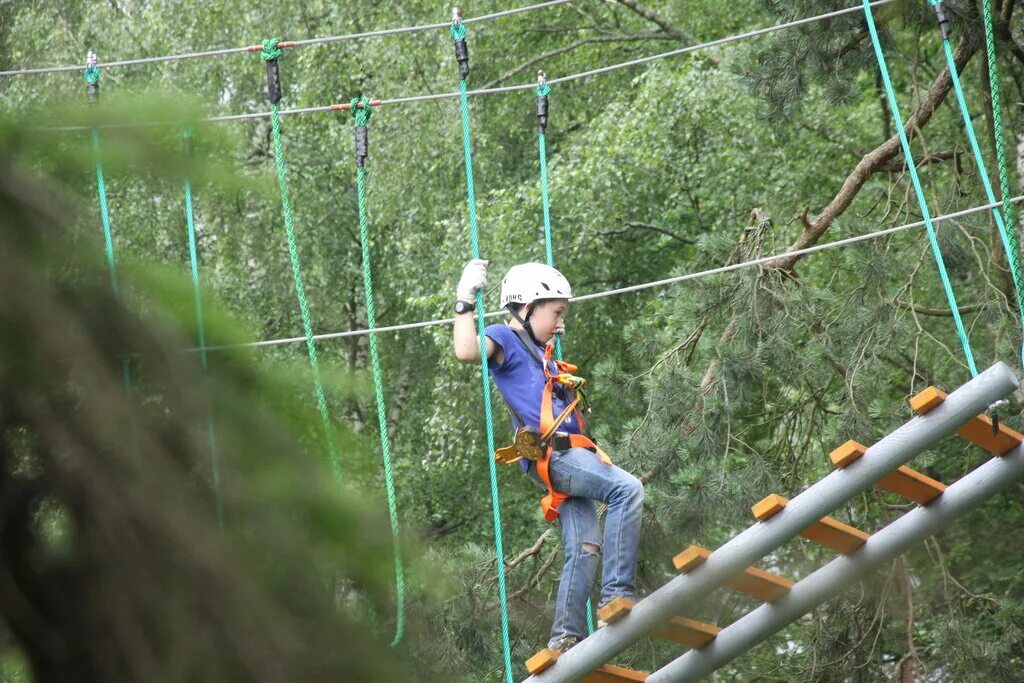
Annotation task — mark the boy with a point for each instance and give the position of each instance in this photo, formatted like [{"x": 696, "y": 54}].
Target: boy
[{"x": 537, "y": 296}]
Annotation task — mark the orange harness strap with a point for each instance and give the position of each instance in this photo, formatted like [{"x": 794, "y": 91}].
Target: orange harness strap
[{"x": 548, "y": 424}]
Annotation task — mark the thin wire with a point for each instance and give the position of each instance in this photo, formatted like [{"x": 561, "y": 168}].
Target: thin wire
[
  {"x": 632, "y": 288},
  {"x": 508, "y": 88},
  {"x": 285, "y": 44}
]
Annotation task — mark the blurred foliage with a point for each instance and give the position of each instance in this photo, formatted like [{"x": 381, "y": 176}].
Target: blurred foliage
[{"x": 720, "y": 389}]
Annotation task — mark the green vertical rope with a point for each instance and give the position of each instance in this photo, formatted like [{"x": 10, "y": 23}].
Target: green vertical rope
[
  {"x": 361, "y": 115},
  {"x": 458, "y": 32},
  {"x": 271, "y": 52},
  {"x": 1007, "y": 237},
  {"x": 544, "y": 90},
  {"x": 918, "y": 191},
  {"x": 92, "y": 77},
  {"x": 201, "y": 334},
  {"x": 997, "y": 121}
]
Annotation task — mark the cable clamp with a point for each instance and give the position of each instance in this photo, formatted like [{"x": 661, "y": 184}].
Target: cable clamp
[{"x": 941, "y": 19}]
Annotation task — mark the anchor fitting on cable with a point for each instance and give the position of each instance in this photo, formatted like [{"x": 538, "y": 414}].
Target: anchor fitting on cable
[
  {"x": 92, "y": 76},
  {"x": 273, "y": 81},
  {"x": 461, "y": 48},
  {"x": 542, "y": 101},
  {"x": 942, "y": 19}
]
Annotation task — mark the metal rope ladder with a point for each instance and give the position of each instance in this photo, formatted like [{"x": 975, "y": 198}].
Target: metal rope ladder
[{"x": 780, "y": 519}]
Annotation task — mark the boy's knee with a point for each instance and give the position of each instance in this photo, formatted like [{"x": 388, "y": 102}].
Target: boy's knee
[
  {"x": 633, "y": 489},
  {"x": 590, "y": 549}
]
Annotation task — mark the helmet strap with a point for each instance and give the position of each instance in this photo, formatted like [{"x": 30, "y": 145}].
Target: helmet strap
[{"x": 525, "y": 322}]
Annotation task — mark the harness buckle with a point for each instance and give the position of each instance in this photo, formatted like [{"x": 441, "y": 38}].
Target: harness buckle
[{"x": 527, "y": 444}]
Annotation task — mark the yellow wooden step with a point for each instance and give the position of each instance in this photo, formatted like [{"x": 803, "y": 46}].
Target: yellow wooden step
[
  {"x": 688, "y": 632},
  {"x": 753, "y": 581},
  {"x": 904, "y": 481},
  {"x": 978, "y": 430},
  {"x": 607, "y": 673},
  {"x": 827, "y": 531},
  {"x": 615, "y": 610},
  {"x": 541, "y": 661}
]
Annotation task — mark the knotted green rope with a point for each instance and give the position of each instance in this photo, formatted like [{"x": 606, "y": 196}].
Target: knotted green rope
[
  {"x": 1008, "y": 237},
  {"x": 360, "y": 116},
  {"x": 201, "y": 334},
  {"x": 997, "y": 121},
  {"x": 269, "y": 53},
  {"x": 918, "y": 191},
  {"x": 270, "y": 50},
  {"x": 544, "y": 90},
  {"x": 458, "y": 32}
]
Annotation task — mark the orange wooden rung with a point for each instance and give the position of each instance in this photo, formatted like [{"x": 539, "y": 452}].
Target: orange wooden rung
[
  {"x": 609, "y": 673},
  {"x": 827, "y": 531},
  {"x": 904, "y": 481},
  {"x": 686, "y": 632},
  {"x": 615, "y": 610},
  {"x": 911, "y": 484},
  {"x": 542, "y": 660},
  {"x": 754, "y": 582},
  {"x": 849, "y": 452},
  {"x": 978, "y": 430}
]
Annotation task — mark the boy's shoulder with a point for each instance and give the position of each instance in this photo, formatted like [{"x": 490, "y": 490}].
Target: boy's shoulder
[{"x": 498, "y": 331}]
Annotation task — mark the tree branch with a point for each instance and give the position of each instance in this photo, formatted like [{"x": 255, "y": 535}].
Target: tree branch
[
  {"x": 652, "y": 227},
  {"x": 922, "y": 160},
  {"x": 662, "y": 23},
  {"x": 875, "y": 159},
  {"x": 937, "y": 312}
]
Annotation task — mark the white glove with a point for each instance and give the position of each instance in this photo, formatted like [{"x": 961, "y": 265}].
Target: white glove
[{"x": 474, "y": 278}]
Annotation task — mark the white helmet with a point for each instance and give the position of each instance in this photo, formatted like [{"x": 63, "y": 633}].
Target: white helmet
[{"x": 529, "y": 282}]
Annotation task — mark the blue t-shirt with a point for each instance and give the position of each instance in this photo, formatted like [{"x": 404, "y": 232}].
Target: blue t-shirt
[{"x": 520, "y": 380}]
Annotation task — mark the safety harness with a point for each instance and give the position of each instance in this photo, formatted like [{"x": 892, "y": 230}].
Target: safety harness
[{"x": 537, "y": 445}]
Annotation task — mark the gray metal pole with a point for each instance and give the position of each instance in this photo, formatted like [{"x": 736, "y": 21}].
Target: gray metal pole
[
  {"x": 762, "y": 538},
  {"x": 842, "y": 572}
]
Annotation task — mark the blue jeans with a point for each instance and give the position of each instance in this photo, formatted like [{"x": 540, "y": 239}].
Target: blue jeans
[{"x": 588, "y": 481}]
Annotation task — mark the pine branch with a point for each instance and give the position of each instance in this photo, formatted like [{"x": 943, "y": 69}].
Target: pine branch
[
  {"x": 872, "y": 161},
  {"x": 662, "y": 23}
]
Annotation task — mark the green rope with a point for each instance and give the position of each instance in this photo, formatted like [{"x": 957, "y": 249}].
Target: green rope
[
  {"x": 361, "y": 115},
  {"x": 918, "y": 191},
  {"x": 201, "y": 334},
  {"x": 997, "y": 121},
  {"x": 543, "y": 91},
  {"x": 92, "y": 77},
  {"x": 1007, "y": 237},
  {"x": 270, "y": 52},
  {"x": 458, "y": 32}
]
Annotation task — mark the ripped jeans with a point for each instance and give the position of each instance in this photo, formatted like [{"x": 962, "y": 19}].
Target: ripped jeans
[{"x": 588, "y": 481}]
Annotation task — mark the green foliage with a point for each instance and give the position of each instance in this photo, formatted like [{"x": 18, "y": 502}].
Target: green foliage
[{"x": 720, "y": 389}]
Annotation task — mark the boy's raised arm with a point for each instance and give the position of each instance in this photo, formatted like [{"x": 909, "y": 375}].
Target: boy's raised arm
[{"x": 466, "y": 342}]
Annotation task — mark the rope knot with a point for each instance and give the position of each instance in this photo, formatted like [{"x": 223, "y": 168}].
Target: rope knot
[
  {"x": 271, "y": 51},
  {"x": 458, "y": 29},
  {"x": 361, "y": 111}
]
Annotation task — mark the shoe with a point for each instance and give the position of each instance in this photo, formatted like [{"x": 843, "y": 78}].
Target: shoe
[{"x": 564, "y": 644}]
